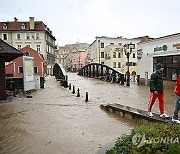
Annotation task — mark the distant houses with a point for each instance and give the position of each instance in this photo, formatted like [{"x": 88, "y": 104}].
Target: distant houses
[
  {"x": 73, "y": 56},
  {"x": 63, "y": 57}
]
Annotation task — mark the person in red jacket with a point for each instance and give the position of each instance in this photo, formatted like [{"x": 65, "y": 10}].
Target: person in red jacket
[{"x": 177, "y": 102}]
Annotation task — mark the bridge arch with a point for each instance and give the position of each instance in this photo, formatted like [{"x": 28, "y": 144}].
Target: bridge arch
[
  {"x": 59, "y": 72},
  {"x": 102, "y": 72}
]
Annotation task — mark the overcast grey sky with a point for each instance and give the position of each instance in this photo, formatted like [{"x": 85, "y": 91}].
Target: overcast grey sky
[{"x": 83, "y": 20}]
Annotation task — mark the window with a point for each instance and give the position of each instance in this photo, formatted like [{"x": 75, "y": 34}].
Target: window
[
  {"x": 102, "y": 54},
  {"x": 120, "y": 43},
  {"x": 114, "y": 64},
  {"x": 111, "y": 43},
  {"x": 167, "y": 59},
  {"x": 4, "y": 26},
  {"x": 32, "y": 36},
  {"x": 47, "y": 49},
  {"x": 176, "y": 59},
  {"x": 29, "y": 45},
  {"x": 134, "y": 55},
  {"x": 119, "y": 55},
  {"x": 102, "y": 45},
  {"x": 4, "y": 36},
  {"x": 171, "y": 65},
  {"x": 23, "y": 26},
  {"x": 102, "y": 62},
  {"x": 37, "y": 36},
  {"x": 35, "y": 69},
  {"x": 133, "y": 64},
  {"x": 114, "y": 54},
  {"x": 20, "y": 69},
  {"x": 38, "y": 47},
  {"x": 26, "y": 53},
  {"x": 27, "y": 36},
  {"x": 19, "y": 46},
  {"x": 18, "y": 36},
  {"x": 119, "y": 64},
  {"x": 107, "y": 56}
]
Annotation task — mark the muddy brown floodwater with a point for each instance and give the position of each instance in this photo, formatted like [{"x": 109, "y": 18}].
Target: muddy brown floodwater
[{"x": 56, "y": 121}]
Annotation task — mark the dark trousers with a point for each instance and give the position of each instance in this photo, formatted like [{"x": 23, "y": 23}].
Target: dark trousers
[{"x": 177, "y": 107}]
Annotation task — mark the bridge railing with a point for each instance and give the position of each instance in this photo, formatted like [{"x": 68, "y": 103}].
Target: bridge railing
[
  {"x": 102, "y": 72},
  {"x": 60, "y": 74}
]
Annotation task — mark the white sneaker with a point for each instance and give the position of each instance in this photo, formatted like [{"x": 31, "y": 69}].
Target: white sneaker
[
  {"x": 164, "y": 115},
  {"x": 150, "y": 114},
  {"x": 176, "y": 121}
]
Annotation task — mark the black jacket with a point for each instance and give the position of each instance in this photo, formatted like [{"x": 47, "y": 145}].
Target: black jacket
[{"x": 156, "y": 82}]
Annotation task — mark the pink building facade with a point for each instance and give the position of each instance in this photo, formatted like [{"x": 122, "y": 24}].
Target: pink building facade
[{"x": 79, "y": 59}]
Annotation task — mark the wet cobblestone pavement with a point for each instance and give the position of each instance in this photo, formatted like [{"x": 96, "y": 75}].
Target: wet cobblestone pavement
[{"x": 56, "y": 121}]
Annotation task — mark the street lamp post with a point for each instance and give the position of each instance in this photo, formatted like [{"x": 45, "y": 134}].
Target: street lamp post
[{"x": 128, "y": 53}]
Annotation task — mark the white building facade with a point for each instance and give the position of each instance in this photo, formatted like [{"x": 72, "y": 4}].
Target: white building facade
[{"x": 165, "y": 50}]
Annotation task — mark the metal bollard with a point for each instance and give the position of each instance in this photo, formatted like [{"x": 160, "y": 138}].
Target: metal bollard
[
  {"x": 65, "y": 84},
  {"x": 78, "y": 93},
  {"x": 86, "y": 100},
  {"x": 69, "y": 86},
  {"x": 138, "y": 78},
  {"x": 122, "y": 79},
  {"x": 73, "y": 90}
]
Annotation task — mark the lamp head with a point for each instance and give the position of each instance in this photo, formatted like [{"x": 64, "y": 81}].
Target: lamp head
[{"x": 125, "y": 48}]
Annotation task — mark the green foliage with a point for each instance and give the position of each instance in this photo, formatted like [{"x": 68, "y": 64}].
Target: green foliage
[
  {"x": 159, "y": 139},
  {"x": 123, "y": 145}
]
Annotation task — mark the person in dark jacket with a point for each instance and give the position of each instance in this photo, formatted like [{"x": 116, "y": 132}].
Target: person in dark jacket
[
  {"x": 177, "y": 101},
  {"x": 156, "y": 89}
]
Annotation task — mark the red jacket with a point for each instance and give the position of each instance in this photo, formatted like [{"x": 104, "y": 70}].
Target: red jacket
[{"x": 177, "y": 87}]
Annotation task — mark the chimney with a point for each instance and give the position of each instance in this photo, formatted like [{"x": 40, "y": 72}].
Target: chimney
[{"x": 32, "y": 24}]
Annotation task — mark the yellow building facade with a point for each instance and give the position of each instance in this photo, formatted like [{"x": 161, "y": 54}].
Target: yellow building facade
[
  {"x": 114, "y": 56},
  {"x": 110, "y": 51}
]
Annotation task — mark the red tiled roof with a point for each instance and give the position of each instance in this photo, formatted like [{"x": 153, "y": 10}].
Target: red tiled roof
[{"x": 15, "y": 26}]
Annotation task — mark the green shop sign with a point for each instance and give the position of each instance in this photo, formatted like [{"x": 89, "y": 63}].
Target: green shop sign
[{"x": 162, "y": 48}]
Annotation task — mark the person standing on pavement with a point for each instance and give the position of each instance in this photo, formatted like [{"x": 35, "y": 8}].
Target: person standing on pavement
[
  {"x": 157, "y": 91},
  {"x": 177, "y": 101}
]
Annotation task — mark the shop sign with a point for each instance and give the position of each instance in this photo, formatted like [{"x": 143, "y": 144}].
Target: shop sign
[
  {"x": 176, "y": 45},
  {"x": 162, "y": 48}
]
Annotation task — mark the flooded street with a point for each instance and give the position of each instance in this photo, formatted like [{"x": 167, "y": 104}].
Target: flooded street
[{"x": 56, "y": 121}]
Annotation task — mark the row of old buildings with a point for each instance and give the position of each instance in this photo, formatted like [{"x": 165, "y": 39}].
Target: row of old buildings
[
  {"x": 104, "y": 50},
  {"x": 144, "y": 56},
  {"x": 111, "y": 51}
]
